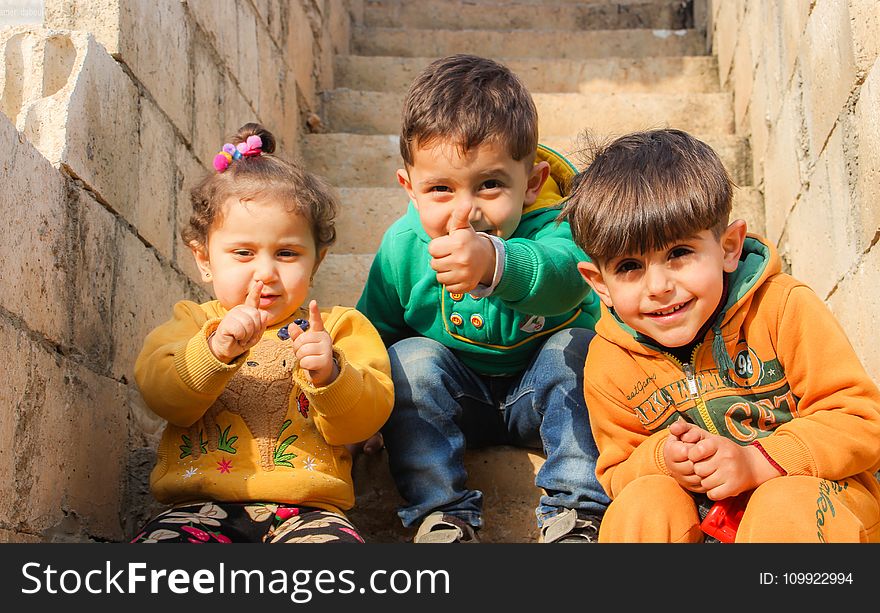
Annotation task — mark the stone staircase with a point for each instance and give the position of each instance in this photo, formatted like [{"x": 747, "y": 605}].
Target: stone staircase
[{"x": 605, "y": 66}]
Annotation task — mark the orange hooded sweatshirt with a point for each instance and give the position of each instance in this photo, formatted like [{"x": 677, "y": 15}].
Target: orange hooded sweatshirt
[{"x": 776, "y": 368}]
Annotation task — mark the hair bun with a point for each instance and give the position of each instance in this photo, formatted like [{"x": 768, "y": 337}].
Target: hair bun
[{"x": 255, "y": 129}]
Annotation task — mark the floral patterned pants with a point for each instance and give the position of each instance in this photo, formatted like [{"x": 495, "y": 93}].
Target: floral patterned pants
[{"x": 230, "y": 522}]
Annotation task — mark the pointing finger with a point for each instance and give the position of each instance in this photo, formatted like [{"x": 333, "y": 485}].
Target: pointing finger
[
  {"x": 253, "y": 296},
  {"x": 315, "y": 321}
]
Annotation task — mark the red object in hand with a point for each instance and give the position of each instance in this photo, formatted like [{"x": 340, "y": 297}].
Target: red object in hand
[{"x": 723, "y": 518}]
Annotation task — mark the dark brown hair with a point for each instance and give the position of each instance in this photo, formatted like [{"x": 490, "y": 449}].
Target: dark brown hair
[
  {"x": 645, "y": 190},
  {"x": 469, "y": 100},
  {"x": 264, "y": 175}
]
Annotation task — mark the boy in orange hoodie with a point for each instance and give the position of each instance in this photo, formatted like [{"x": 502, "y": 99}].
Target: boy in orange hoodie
[{"x": 713, "y": 375}]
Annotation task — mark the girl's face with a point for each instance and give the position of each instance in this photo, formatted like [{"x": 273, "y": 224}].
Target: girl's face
[{"x": 260, "y": 240}]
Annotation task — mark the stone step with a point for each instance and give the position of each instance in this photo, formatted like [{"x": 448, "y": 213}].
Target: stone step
[
  {"x": 365, "y": 112},
  {"x": 470, "y": 15},
  {"x": 659, "y": 75},
  {"x": 348, "y": 160},
  {"x": 407, "y": 42},
  {"x": 341, "y": 279},
  {"x": 365, "y": 214},
  {"x": 505, "y": 475}
]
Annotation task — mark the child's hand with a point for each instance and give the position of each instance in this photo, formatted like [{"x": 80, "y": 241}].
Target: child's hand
[
  {"x": 675, "y": 453},
  {"x": 241, "y": 328},
  {"x": 687, "y": 432},
  {"x": 462, "y": 259},
  {"x": 726, "y": 468},
  {"x": 314, "y": 349},
  {"x": 683, "y": 436}
]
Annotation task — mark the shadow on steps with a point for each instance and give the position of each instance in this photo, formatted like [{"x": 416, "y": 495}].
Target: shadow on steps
[{"x": 505, "y": 475}]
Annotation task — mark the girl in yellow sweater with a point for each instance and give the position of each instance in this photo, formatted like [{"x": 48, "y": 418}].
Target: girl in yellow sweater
[{"x": 261, "y": 393}]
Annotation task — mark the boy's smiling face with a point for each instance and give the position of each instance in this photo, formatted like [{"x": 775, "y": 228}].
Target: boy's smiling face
[
  {"x": 498, "y": 187},
  {"x": 668, "y": 294}
]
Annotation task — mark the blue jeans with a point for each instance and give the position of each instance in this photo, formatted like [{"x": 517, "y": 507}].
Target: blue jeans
[{"x": 443, "y": 407}]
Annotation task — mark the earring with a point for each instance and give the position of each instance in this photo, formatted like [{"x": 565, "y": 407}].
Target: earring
[{"x": 207, "y": 275}]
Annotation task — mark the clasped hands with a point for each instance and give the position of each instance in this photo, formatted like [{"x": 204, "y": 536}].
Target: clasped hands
[{"x": 711, "y": 464}]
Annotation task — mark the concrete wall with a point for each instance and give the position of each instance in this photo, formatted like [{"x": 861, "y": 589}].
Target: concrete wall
[
  {"x": 805, "y": 77},
  {"x": 109, "y": 113}
]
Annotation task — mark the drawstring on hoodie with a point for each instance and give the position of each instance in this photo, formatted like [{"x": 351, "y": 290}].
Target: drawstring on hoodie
[{"x": 721, "y": 357}]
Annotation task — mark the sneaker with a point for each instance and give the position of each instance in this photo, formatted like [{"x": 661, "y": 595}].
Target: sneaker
[
  {"x": 439, "y": 527},
  {"x": 571, "y": 526}
]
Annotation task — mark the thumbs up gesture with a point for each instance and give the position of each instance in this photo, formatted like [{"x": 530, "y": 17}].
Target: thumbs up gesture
[
  {"x": 241, "y": 328},
  {"x": 462, "y": 258},
  {"x": 314, "y": 349}
]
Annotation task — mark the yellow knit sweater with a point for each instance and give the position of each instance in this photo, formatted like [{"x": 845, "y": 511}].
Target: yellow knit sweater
[{"x": 256, "y": 429}]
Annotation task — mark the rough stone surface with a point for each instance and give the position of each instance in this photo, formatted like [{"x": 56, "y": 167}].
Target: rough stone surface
[
  {"x": 101, "y": 143},
  {"x": 341, "y": 278},
  {"x": 813, "y": 223},
  {"x": 520, "y": 43},
  {"x": 208, "y": 93},
  {"x": 855, "y": 303},
  {"x": 828, "y": 70},
  {"x": 759, "y": 123},
  {"x": 864, "y": 128},
  {"x": 354, "y": 112},
  {"x": 743, "y": 77},
  {"x": 864, "y": 24},
  {"x": 145, "y": 291},
  {"x": 65, "y": 470},
  {"x": 505, "y": 475},
  {"x": 692, "y": 74},
  {"x": 465, "y": 15},
  {"x": 784, "y": 153},
  {"x": 155, "y": 44},
  {"x": 152, "y": 209},
  {"x": 365, "y": 213},
  {"x": 33, "y": 273},
  {"x": 301, "y": 54}
]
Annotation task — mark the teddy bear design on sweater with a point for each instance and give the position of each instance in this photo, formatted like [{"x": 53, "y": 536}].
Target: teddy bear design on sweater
[{"x": 260, "y": 394}]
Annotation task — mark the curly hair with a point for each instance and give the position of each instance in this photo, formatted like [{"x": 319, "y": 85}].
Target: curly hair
[{"x": 265, "y": 175}]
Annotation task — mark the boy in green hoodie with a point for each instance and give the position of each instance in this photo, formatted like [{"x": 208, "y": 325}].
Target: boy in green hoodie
[{"x": 476, "y": 293}]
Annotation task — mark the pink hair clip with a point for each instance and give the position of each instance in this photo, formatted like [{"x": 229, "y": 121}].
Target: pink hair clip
[{"x": 252, "y": 147}]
